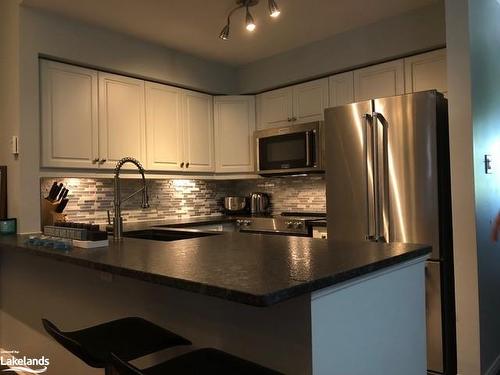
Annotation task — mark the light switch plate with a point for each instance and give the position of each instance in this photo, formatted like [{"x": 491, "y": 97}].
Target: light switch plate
[
  {"x": 488, "y": 164},
  {"x": 14, "y": 145}
]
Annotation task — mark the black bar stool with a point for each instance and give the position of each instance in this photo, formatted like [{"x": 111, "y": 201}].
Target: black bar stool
[
  {"x": 129, "y": 338},
  {"x": 206, "y": 361}
]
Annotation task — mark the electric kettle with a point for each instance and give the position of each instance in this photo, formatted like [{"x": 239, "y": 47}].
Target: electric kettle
[{"x": 259, "y": 203}]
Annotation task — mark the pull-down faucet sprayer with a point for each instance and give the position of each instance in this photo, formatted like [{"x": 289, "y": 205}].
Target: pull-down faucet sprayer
[{"x": 117, "y": 221}]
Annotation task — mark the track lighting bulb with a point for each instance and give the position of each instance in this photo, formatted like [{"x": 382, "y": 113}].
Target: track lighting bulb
[
  {"x": 250, "y": 22},
  {"x": 224, "y": 34},
  {"x": 274, "y": 10}
]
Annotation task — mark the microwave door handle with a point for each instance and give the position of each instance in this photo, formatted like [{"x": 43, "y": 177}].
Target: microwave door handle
[
  {"x": 257, "y": 154},
  {"x": 308, "y": 148}
]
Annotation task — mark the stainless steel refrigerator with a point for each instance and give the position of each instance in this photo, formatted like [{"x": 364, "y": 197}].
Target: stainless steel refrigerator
[{"x": 388, "y": 179}]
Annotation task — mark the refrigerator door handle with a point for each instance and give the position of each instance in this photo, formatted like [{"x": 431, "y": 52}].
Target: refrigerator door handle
[
  {"x": 382, "y": 166},
  {"x": 371, "y": 216}
]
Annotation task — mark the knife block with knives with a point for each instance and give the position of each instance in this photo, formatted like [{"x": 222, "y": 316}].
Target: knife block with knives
[{"x": 54, "y": 204}]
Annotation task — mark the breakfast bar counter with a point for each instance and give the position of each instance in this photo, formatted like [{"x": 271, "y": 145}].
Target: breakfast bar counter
[
  {"x": 295, "y": 304},
  {"x": 258, "y": 270}
]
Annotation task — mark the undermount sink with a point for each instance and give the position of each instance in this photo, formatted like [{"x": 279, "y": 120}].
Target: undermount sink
[{"x": 166, "y": 235}]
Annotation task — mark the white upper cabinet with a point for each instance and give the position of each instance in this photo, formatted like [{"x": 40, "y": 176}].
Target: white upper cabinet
[
  {"x": 380, "y": 80},
  {"x": 69, "y": 116},
  {"x": 164, "y": 127},
  {"x": 341, "y": 89},
  {"x": 296, "y": 104},
  {"x": 121, "y": 119},
  {"x": 426, "y": 71},
  {"x": 180, "y": 129},
  {"x": 310, "y": 100},
  {"x": 198, "y": 132},
  {"x": 275, "y": 108},
  {"x": 234, "y": 118},
  {"x": 92, "y": 119}
]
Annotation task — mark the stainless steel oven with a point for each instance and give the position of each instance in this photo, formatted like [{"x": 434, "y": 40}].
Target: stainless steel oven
[{"x": 292, "y": 149}]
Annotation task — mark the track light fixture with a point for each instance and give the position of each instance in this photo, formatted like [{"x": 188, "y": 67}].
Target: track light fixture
[
  {"x": 274, "y": 11},
  {"x": 250, "y": 25},
  {"x": 224, "y": 34}
]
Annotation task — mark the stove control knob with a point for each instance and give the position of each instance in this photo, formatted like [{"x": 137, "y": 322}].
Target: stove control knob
[
  {"x": 247, "y": 222},
  {"x": 289, "y": 224},
  {"x": 297, "y": 225},
  {"x": 239, "y": 222}
]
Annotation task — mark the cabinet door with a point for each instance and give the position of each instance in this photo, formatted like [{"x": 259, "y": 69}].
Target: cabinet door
[
  {"x": 121, "y": 119},
  {"x": 164, "y": 139},
  {"x": 341, "y": 89},
  {"x": 379, "y": 80},
  {"x": 275, "y": 108},
  {"x": 426, "y": 72},
  {"x": 69, "y": 116},
  {"x": 234, "y": 118},
  {"x": 198, "y": 132},
  {"x": 310, "y": 100}
]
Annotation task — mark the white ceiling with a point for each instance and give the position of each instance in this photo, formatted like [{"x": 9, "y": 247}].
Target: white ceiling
[{"x": 193, "y": 26}]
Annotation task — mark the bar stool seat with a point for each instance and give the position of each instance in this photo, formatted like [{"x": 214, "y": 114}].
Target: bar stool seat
[
  {"x": 130, "y": 338},
  {"x": 197, "y": 362}
]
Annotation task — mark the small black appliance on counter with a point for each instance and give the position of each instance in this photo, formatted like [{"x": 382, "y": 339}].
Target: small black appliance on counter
[
  {"x": 3, "y": 192},
  {"x": 7, "y": 226}
]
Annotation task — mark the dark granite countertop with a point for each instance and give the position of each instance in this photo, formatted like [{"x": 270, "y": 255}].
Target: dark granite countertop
[{"x": 253, "y": 269}]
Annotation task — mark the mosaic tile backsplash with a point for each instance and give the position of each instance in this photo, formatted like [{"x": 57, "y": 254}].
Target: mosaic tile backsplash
[{"x": 89, "y": 199}]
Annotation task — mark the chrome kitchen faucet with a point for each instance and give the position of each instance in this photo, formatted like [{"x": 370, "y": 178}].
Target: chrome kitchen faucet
[{"x": 117, "y": 221}]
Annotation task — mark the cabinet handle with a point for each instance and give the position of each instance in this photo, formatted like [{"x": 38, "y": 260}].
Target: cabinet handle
[
  {"x": 289, "y": 119},
  {"x": 187, "y": 165},
  {"x": 182, "y": 165},
  {"x": 294, "y": 118},
  {"x": 103, "y": 161},
  {"x": 95, "y": 160}
]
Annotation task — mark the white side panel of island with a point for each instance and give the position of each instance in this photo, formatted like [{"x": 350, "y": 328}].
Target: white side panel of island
[{"x": 374, "y": 325}]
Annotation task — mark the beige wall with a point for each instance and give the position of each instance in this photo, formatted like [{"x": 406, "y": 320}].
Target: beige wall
[
  {"x": 474, "y": 91},
  {"x": 462, "y": 174},
  {"x": 484, "y": 36},
  {"x": 9, "y": 96},
  {"x": 412, "y": 32},
  {"x": 82, "y": 43}
]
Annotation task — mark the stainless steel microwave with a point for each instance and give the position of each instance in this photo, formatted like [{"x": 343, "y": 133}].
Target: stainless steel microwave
[{"x": 294, "y": 149}]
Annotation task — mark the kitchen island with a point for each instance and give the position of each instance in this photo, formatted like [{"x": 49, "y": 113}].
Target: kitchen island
[{"x": 298, "y": 305}]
